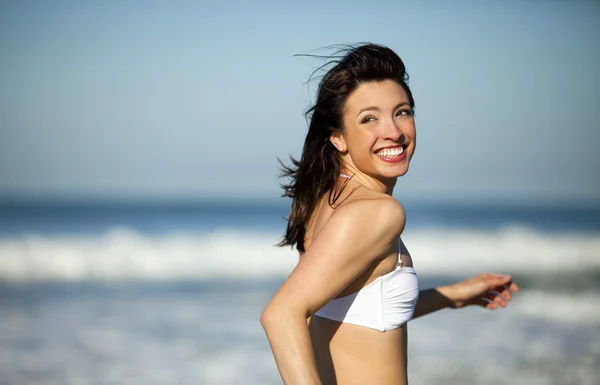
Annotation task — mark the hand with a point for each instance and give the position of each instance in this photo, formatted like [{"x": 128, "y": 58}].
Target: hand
[{"x": 486, "y": 290}]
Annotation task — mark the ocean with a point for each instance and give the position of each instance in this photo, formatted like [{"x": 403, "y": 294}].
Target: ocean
[{"x": 171, "y": 293}]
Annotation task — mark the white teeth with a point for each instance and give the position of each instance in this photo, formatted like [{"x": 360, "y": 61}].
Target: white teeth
[{"x": 390, "y": 152}]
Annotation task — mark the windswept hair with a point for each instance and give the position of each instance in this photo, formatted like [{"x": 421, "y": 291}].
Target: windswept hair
[{"x": 319, "y": 167}]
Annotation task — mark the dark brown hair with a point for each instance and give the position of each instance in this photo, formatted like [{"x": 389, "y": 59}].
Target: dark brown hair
[{"x": 320, "y": 165}]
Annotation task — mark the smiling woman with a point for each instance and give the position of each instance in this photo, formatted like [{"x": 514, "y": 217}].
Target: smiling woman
[
  {"x": 386, "y": 130},
  {"x": 355, "y": 282}
]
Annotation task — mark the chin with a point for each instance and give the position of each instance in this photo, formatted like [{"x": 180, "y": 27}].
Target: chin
[
  {"x": 389, "y": 174},
  {"x": 400, "y": 171}
]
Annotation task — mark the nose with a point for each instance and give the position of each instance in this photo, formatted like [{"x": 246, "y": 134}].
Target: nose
[{"x": 392, "y": 131}]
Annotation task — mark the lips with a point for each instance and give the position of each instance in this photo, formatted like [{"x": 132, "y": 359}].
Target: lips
[{"x": 392, "y": 154}]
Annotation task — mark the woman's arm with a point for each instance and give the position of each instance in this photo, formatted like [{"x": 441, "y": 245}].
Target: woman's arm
[
  {"x": 353, "y": 238},
  {"x": 431, "y": 300},
  {"x": 486, "y": 290}
]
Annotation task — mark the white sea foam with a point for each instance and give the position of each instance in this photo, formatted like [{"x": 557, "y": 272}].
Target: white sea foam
[
  {"x": 215, "y": 338},
  {"x": 560, "y": 307},
  {"x": 123, "y": 254}
]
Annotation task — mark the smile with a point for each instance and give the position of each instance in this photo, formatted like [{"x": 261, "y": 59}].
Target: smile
[{"x": 395, "y": 154}]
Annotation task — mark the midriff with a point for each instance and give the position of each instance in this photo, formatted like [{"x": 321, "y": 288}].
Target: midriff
[{"x": 348, "y": 354}]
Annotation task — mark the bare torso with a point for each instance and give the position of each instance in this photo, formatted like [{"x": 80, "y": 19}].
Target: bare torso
[{"x": 349, "y": 354}]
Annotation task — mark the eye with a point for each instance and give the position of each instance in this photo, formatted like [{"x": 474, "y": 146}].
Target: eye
[
  {"x": 367, "y": 119},
  {"x": 405, "y": 112}
]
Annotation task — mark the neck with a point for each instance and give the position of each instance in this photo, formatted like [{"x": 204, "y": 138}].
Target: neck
[{"x": 383, "y": 186}]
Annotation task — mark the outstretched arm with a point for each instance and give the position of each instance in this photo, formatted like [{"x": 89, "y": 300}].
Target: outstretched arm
[{"x": 486, "y": 290}]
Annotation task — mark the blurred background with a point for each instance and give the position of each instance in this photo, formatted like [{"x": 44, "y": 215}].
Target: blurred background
[{"x": 139, "y": 200}]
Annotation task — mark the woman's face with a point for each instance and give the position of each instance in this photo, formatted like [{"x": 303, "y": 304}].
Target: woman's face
[{"x": 379, "y": 135}]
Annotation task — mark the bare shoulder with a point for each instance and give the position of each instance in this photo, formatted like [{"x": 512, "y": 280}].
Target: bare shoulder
[
  {"x": 368, "y": 219},
  {"x": 360, "y": 231},
  {"x": 379, "y": 209}
]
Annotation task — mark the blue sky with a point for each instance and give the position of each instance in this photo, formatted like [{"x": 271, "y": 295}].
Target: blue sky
[{"x": 170, "y": 100}]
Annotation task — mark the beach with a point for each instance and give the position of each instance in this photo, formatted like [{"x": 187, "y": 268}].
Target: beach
[{"x": 172, "y": 293}]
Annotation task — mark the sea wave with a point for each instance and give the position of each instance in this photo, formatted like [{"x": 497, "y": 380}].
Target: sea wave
[{"x": 123, "y": 254}]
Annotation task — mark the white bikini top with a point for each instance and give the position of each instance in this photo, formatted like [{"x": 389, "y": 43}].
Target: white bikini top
[{"x": 384, "y": 304}]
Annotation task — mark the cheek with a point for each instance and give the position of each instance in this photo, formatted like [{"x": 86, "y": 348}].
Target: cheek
[
  {"x": 414, "y": 138},
  {"x": 362, "y": 151},
  {"x": 411, "y": 130},
  {"x": 362, "y": 143}
]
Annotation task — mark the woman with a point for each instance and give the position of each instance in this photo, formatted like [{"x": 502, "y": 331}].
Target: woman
[{"x": 355, "y": 282}]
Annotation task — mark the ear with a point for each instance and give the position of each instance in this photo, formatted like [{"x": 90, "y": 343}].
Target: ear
[{"x": 338, "y": 141}]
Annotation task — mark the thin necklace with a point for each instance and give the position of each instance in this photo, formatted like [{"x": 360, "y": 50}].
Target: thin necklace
[{"x": 345, "y": 175}]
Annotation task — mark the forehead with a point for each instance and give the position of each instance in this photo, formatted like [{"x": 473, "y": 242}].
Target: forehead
[{"x": 383, "y": 94}]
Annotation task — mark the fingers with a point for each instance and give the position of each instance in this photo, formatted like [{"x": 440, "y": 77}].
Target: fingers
[
  {"x": 497, "y": 291},
  {"x": 496, "y": 297},
  {"x": 493, "y": 299},
  {"x": 504, "y": 291},
  {"x": 487, "y": 303},
  {"x": 512, "y": 286},
  {"x": 496, "y": 281}
]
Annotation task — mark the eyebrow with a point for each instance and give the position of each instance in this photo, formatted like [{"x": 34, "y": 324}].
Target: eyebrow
[{"x": 375, "y": 108}]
